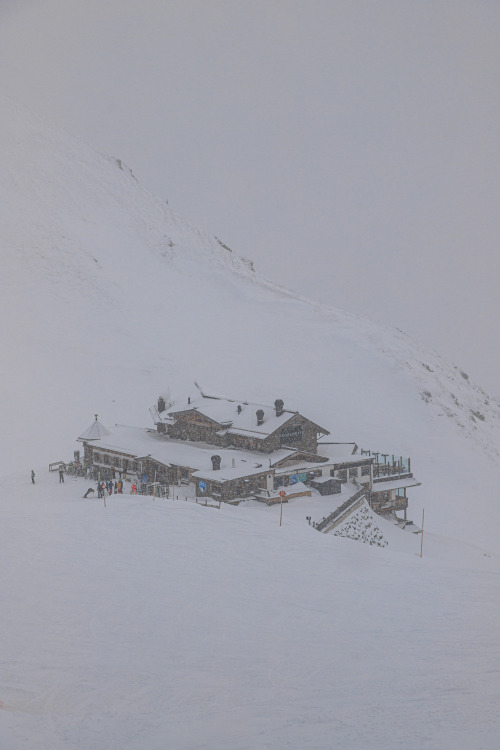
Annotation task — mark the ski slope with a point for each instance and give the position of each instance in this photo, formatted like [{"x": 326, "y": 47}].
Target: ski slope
[
  {"x": 144, "y": 625},
  {"x": 167, "y": 624}
]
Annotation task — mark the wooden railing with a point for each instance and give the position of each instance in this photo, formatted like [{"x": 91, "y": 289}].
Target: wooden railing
[{"x": 341, "y": 510}]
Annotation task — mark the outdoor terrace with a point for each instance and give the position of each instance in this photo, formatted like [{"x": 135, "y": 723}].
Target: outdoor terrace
[{"x": 388, "y": 465}]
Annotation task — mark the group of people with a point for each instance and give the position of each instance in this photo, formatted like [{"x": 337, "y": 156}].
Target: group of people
[
  {"x": 102, "y": 487},
  {"x": 108, "y": 487},
  {"x": 117, "y": 487}
]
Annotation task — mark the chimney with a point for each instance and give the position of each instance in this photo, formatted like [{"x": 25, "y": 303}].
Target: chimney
[
  {"x": 278, "y": 405},
  {"x": 216, "y": 463},
  {"x": 161, "y": 404},
  {"x": 189, "y": 399},
  {"x": 260, "y": 416}
]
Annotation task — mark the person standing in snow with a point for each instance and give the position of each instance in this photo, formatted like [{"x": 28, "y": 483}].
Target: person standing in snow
[
  {"x": 61, "y": 475},
  {"x": 32, "y": 476}
]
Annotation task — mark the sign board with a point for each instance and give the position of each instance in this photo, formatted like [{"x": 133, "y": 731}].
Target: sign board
[
  {"x": 282, "y": 493},
  {"x": 291, "y": 435},
  {"x": 203, "y": 486}
]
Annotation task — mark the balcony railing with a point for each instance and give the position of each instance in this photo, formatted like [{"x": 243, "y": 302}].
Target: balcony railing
[{"x": 388, "y": 465}]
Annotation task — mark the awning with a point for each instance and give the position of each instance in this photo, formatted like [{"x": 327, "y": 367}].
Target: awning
[{"x": 395, "y": 484}]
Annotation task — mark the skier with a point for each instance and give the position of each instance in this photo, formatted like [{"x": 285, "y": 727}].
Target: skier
[
  {"x": 134, "y": 488},
  {"x": 61, "y": 475},
  {"x": 32, "y": 476}
]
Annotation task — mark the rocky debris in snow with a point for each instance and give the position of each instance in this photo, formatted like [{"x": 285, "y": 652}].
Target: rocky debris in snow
[{"x": 362, "y": 527}]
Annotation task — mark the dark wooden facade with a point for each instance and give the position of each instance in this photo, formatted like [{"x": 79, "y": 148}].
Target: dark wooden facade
[{"x": 228, "y": 490}]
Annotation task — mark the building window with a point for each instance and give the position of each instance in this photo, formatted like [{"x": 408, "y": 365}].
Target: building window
[
  {"x": 105, "y": 459},
  {"x": 342, "y": 475},
  {"x": 365, "y": 471},
  {"x": 353, "y": 473},
  {"x": 97, "y": 456}
]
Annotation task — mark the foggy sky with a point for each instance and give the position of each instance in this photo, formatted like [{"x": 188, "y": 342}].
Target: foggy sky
[{"x": 351, "y": 149}]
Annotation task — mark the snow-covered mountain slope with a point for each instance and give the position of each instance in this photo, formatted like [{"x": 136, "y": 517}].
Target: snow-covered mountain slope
[
  {"x": 107, "y": 295},
  {"x": 153, "y": 625}
]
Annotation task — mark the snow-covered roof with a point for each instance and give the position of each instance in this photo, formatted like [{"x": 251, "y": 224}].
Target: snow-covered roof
[
  {"x": 142, "y": 443},
  {"x": 281, "y": 454},
  {"x": 342, "y": 453},
  {"x": 225, "y": 474},
  {"x": 292, "y": 489},
  {"x": 235, "y": 417},
  {"x": 305, "y": 464},
  {"x": 395, "y": 483},
  {"x": 95, "y": 431}
]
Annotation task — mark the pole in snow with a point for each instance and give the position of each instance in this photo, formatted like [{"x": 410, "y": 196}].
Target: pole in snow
[
  {"x": 422, "y": 535},
  {"x": 282, "y": 495}
]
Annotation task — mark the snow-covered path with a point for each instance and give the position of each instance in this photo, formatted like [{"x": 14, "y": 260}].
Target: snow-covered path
[{"x": 170, "y": 625}]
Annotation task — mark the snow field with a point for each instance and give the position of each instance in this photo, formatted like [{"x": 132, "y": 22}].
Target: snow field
[{"x": 167, "y": 624}]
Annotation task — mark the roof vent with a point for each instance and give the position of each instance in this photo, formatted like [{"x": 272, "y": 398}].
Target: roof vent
[
  {"x": 216, "y": 463},
  {"x": 260, "y": 416},
  {"x": 278, "y": 405},
  {"x": 239, "y": 408}
]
